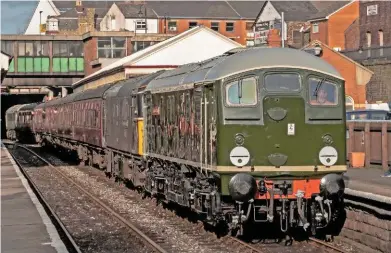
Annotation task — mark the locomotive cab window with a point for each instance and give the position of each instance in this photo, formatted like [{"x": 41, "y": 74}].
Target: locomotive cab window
[
  {"x": 242, "y": 92},
  {"x": 322, "y": 92},
  {"x": 282, "y": 82}
]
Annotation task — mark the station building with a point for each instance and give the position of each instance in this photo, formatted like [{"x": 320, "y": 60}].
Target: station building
[{"x": 197, "y": 44}]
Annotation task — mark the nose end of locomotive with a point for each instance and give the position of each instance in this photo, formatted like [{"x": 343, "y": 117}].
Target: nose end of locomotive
[
  {"x": 242, "y": 187},
  {"x": 332, "y": 185}
]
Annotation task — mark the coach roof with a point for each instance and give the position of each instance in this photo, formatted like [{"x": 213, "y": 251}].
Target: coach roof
[
  {"x": 28, "y": 107},
  {"x": 238, "y": 61}
]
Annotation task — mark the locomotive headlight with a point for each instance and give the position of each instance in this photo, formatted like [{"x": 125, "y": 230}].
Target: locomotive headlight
[
  {"x": 328, "y": 156},
  {"x": 332, "y": 184},
  {"x": 242, "y": 187}
]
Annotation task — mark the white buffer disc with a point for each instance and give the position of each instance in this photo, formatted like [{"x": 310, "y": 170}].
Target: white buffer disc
[
  {"x": 239, "y": 156},
  {"x": 328, "y": 156}
]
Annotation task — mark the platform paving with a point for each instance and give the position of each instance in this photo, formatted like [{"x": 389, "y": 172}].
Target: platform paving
[
  {"x": 368, "y": 180},
  {"x": 25, "y": 226}
]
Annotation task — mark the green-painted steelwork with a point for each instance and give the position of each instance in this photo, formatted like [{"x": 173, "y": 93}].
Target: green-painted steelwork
[
  {"x": 65, "y": 64},
  {"x": 11, "y": 67},
  {"x": 33, "y": 64}
]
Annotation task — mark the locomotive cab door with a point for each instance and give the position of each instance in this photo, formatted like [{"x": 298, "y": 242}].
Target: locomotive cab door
[{"x": 208, "y": 123}]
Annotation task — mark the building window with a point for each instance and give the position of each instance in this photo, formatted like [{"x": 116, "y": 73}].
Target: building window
[
  {"x": 140, "y": 45},
  {"x": 68, "y": 48},
  {"x": 141, "y": 25},
  {"x": 380, "y": 38},
  {"x": 214, "y": 26},
  {"x": 172, "y": 26},
  {"x": 372, "y": 10},
  {"x": 113, "y": 22},
  {"x": 33, "y": 48},
  {"x": 315, "y": 28},
  {"x": 349, "y": 102},
  {"x": 7, "y": 47},
  {"x": 229, "y": 27},
  {"x": 338, "y": 49},
  {"x": 369, "y": 39},
  {"x": 68, "y": 56},
  {"x": 111, "y": 47},
  {"x": 192, "y": 24}
]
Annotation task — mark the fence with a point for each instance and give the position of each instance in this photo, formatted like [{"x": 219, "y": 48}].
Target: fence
[{"x": 371, "y": 137}]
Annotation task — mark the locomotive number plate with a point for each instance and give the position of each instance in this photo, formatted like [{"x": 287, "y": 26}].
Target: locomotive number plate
[{"x": 291, "y": 129}]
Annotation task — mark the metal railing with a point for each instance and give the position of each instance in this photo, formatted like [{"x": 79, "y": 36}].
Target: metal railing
[{"x": 369, "y": 53}]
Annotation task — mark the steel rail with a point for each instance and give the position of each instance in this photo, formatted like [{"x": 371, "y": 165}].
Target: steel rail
[
  {"x": 143, "y": 236},
  {"x": 248, "y": 246},
  {"x": 328, "y": 245},
  {"x": 57, "y": 220}
]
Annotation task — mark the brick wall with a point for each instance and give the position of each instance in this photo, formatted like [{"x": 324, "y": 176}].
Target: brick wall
[
  {"x": 352, "y": 34},
  {"x": 348, "y": 70},
  {"x": 90, "y": 54},
  {"x": 239, "y": 34},
  {"x": 379, "y": 88},
  {"x": 339, "y": 22},
  {"x": 294, "y": 37},
  {"x": 374, "y": 23},
  {"x": 321, "y": 35}
]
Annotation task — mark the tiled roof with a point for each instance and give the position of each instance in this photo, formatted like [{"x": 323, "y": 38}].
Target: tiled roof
[
  {"x": 247, "y": 9},
  {"x": 194, "y": 9},
  {"x": 173, "y": 9},
  {"x": 68, "y": 24},
  {"x": 295, "y": 10},
  {"x": 327, "y": 7},
  {"x": 132, "y": 11}
]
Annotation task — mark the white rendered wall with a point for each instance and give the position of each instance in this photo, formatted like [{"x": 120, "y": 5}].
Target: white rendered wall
[{"x": 48, "y": 9}]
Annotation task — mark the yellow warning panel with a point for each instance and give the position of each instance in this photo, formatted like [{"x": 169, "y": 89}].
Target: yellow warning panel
[{"x": 140, "y": 129}]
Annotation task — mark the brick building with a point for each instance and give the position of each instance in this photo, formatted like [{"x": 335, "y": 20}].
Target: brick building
[
  {"x": 233, "y": 19},
  {"x": 330, "y": 24},
  {"x": 327, "y": 18},
  {"x": 368, "y": 41}
]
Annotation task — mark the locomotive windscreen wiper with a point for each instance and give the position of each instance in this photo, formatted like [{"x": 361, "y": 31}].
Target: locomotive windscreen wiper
[{"x": 318, "y": 87}]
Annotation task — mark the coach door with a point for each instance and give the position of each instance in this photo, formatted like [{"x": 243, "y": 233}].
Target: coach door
[{"x": 208, "y": 140}]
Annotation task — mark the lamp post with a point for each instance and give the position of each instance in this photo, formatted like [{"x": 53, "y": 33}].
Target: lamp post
[{"x": 40, "y": 23}]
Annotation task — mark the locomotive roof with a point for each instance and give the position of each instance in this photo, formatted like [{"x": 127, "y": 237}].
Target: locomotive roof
[
  {"x": 14, "y": 108},
  {"x": 238, "y": 61},
  {"x": 28, "y": 107}
]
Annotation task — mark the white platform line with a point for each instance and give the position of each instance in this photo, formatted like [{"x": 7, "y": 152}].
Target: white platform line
[{"x": 56, "y": 241}]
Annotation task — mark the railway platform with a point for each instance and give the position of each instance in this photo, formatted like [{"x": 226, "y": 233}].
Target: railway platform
[
  {"x": 25, "y": 226},
  {"x": 368, "y": 180}
]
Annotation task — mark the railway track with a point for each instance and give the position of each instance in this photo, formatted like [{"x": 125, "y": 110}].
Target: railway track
[
  {"x": 154, "y": 240},
  {"x": 65, "y": 235},
  {"x": 147, "y": 240}
]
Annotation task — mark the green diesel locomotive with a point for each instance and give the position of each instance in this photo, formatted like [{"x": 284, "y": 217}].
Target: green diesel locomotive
[{"x": 255, "y": 135}]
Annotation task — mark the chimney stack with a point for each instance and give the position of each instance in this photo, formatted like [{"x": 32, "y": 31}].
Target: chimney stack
[{"x": 274, "y": 38}]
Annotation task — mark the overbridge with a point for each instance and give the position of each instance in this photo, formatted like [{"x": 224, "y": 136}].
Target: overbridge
[{"x": 42, "y": 64}]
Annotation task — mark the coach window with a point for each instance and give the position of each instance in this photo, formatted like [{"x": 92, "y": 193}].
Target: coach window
[
  {"x": 322, "y": 92},
  {"x": 282, "y": 82},
  {"x": 242, "y": 92}
]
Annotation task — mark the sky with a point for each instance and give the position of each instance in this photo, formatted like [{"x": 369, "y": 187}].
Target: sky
[{"x": 15, "y": 15}]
